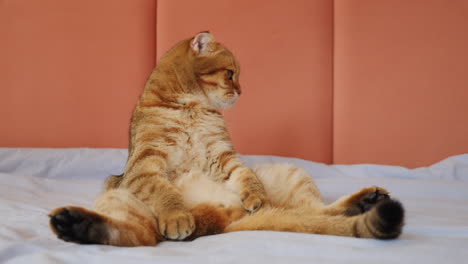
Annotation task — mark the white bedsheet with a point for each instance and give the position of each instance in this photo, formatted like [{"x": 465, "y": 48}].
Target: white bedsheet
[{"x": 34, "y": 181}]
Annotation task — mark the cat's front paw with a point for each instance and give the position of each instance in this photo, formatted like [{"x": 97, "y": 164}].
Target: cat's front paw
[
  {"x": 252, "y": 201},
  {"x": 176, "y": 224}
]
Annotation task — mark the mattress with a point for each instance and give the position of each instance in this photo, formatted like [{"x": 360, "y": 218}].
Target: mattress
[{"x": 34, "y": 181}]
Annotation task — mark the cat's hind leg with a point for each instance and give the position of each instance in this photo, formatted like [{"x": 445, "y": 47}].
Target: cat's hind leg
[
  {"x": 288, "y": 186},
  {"x": 119, "y": 219},
  {"x": 358, "y": 202},
  {"x": 383, "y": 221}
]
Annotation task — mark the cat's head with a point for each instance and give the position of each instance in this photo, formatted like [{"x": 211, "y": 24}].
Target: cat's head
[{"x": 216, "y": 70}]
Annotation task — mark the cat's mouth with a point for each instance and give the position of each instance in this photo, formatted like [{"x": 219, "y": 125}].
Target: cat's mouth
[
  {"x": 232, "y": 96},
  {"x": 230, "y": 99}
]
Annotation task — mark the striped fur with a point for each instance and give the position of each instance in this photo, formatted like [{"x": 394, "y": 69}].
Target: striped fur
[{"x": 183, "y": 179}]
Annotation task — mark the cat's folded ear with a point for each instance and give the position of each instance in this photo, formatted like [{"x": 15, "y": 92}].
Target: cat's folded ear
[{"x": 201, "y": 43}]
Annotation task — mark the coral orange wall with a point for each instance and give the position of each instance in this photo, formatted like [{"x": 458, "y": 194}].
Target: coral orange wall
[
  {"x": 344, "y": 81},
  {"x": 70, "y": 71},
  {"x": 400, "y": 81}
]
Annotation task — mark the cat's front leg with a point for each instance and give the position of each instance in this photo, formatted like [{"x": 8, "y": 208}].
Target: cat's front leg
[
  {"x": 165, "y": 201},
  {"x": 176, "y": 224},
  {"x": 228, "y": 168}
]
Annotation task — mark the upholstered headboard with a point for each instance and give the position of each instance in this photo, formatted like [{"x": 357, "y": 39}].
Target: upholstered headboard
[{"x": 344, "y": 81}]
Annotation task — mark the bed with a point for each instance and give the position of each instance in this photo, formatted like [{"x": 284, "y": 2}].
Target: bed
[
  {"x": 363, "y": 82},
  {"x": 34, "y": 181}
]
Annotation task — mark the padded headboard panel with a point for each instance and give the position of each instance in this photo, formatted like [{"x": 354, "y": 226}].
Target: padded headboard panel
[
  {"x": 400, "y": 81},
  {"x": 71, "y": 71}
]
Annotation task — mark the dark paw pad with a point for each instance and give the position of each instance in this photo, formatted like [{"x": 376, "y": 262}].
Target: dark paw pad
[
  {"x": 365, "y": 199},
  {"x": 371, "y": 200},
  {"x": 77, "y": 225}
]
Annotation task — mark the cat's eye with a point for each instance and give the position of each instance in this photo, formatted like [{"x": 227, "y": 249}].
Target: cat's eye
[{"x": 230, "y": 74}]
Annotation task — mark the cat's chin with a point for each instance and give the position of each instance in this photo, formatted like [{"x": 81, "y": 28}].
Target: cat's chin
[
  {"x": 227, "y": 104},
  {"x": 224, "y": 104}
]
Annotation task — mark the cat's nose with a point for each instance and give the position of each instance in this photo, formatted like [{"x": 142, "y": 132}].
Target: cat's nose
[{"x": 237, "y": 88}]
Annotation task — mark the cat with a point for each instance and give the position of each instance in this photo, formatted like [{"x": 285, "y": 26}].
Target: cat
[{"x": 183, "y": 178}]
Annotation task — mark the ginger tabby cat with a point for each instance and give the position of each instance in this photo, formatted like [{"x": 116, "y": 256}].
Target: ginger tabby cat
[{"x": 183, "y": 179}]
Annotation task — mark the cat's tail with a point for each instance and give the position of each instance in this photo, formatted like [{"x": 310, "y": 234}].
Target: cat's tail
[
  {"x": 212, "y": 220},
  {"x": 383, "y": 221}
]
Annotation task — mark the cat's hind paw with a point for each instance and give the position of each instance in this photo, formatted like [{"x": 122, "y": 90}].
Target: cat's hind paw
[
  {"x": 365, "y": 199},
  {"x": 78, "y": 225}
]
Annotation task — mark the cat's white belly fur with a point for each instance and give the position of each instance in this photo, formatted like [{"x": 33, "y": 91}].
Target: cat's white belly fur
[
  {"x": 279, "y": 181},
  {"x": 197, "y": 188}
]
